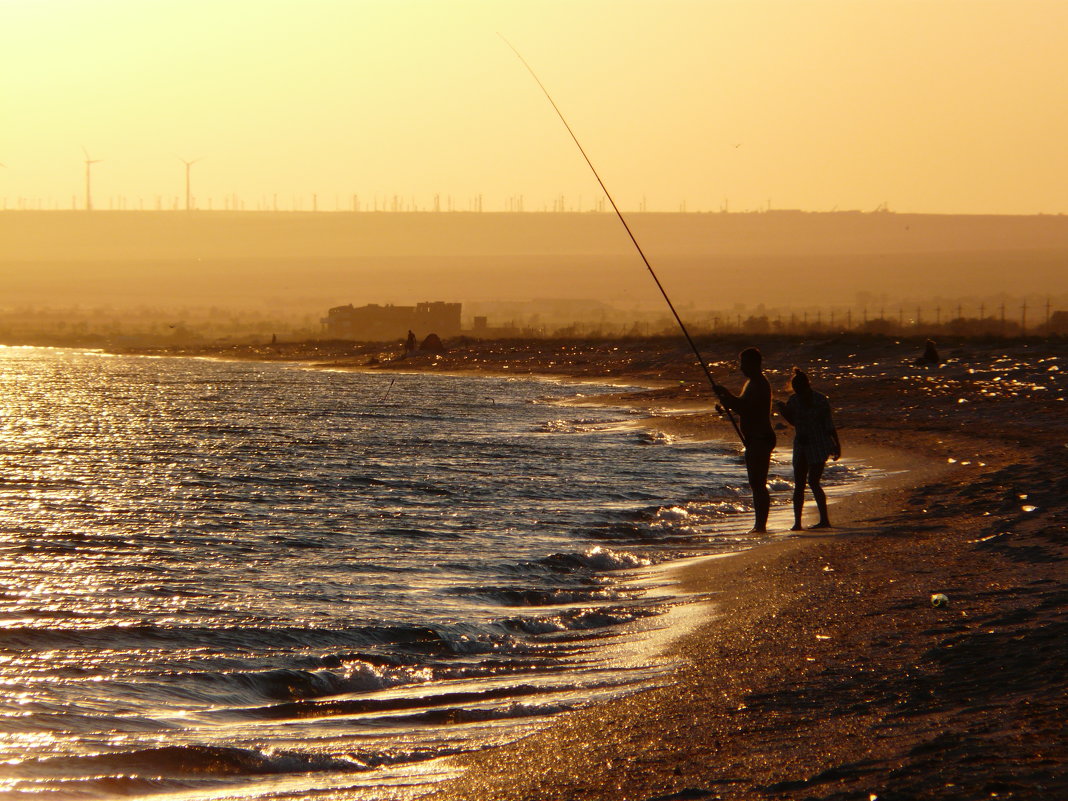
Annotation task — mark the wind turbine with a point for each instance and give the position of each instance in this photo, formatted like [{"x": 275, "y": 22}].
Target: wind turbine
[
  {"x": 89, "y": 162},
  {"x": 188, "y": 196}
]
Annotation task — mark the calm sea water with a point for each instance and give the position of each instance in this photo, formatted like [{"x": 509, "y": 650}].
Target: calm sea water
[{"x": 259, "y": 580}]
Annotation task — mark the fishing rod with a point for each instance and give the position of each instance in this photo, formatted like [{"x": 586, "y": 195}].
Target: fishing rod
[
  {"x": 652, "y": 272},
  {"x": 386, "y": 393}
]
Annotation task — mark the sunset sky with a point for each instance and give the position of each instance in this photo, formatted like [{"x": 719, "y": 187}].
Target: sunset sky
[{"x": 947, "y": 106}]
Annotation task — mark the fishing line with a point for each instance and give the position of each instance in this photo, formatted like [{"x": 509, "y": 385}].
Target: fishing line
[{"x": 582, "y": 150}]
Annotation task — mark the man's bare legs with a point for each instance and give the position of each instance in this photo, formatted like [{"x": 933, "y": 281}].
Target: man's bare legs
[{"x": 757, "y": 464}]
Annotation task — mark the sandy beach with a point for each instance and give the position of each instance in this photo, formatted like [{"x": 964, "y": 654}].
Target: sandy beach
[{"x": 823, "y": 670}]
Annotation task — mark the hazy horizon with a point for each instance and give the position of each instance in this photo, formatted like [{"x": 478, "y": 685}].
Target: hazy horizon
[{"x": 303, "y": 264}]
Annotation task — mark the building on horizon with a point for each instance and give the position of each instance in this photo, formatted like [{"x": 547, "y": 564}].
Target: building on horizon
[
  {"x": 481, "y": 329},
  {"x": 375, "y": 323}
]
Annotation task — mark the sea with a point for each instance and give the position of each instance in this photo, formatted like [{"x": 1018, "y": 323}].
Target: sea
[{"x": 263, "y": 580}]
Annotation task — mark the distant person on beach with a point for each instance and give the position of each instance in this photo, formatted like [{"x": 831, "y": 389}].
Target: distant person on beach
[
  {"x": 930, "y": 355},
  {"x": 753, "y": 406},
  {"x": 815, "y": 438},
  {"x": 410, "y": 344}
]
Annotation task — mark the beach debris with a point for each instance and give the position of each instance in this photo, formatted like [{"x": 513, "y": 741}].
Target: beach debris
[
  {"x": 1029, "y": 508},
  {"x": 992, "y": 537},
  {"x": 689, "y": 794},
  {"x": 939, "y": 600}
]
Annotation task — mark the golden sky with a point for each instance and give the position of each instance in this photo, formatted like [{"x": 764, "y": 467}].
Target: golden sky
[{"x": 955, "y": 106}]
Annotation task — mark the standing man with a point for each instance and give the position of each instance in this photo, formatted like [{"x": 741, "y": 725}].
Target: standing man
[{"x": 754, "y": 410}]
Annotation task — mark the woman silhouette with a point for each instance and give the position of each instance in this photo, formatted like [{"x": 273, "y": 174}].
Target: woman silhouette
[{"x": 815, "y": 438}]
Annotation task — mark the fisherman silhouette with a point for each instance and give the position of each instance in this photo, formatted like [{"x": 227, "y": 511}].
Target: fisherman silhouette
[
  {"x": 753, "y": 406},
  {"x": 410, "y": 344},
  {"x": 815, "y": 438}
]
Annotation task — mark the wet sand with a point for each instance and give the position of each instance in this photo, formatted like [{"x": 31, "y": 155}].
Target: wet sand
[{"x": 823, "y": 670}]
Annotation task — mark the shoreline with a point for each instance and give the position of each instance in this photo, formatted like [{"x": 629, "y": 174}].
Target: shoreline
[
  {"x": 825, "y": 671},
  {"x": 820, "y": 675}
]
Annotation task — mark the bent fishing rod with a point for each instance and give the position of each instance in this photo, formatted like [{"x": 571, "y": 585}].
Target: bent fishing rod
[{"x": 619, "y": 214}]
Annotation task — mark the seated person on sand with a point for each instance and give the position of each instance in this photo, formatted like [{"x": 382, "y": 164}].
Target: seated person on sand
[
  {"x": 753, "y": 406},
  {"x": 930, "y": 355},
  {"x": 432, "y": 344},
  {"x": 815, "y": 438}
]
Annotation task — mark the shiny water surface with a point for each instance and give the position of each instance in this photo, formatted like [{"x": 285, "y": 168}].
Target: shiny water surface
[{"x": 258, "y": 580}]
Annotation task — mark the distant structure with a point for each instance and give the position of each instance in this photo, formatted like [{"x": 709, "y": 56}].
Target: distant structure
[
  {"x": 482, "y": 330},
  {"x": 89, "y": 162},
  {"x": 375, "y": 323},
  {"x": 188, "y": 193}
]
